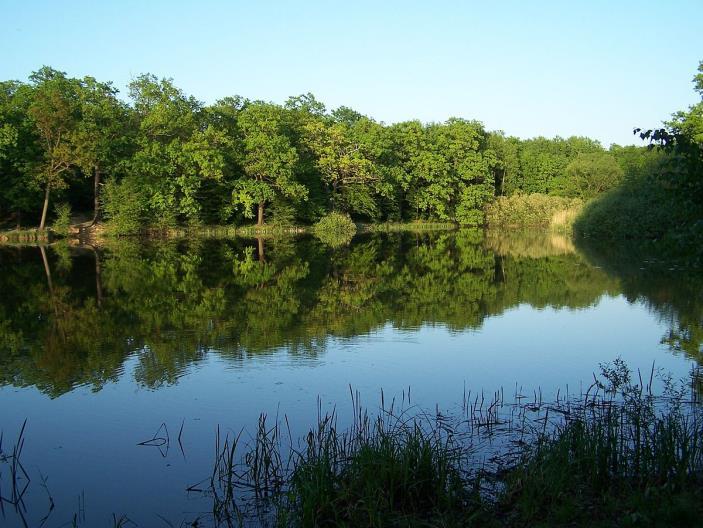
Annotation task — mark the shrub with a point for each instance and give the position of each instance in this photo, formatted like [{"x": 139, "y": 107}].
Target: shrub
[
  {"x": 62, "y": 223},
  {"x": 124, "y": 207},
  {"x": 335, "y": 229}
]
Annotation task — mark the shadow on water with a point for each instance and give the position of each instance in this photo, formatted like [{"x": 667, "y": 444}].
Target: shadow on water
[{"x": 670, "y": 286}]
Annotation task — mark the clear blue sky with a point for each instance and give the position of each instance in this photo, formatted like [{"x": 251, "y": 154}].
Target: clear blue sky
[{"x": 595, "y": 68}]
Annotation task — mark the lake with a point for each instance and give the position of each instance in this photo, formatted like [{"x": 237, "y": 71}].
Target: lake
[{"x": 101, "y": 346}]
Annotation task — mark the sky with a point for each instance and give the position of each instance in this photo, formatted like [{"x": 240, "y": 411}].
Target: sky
[{"x": 592, "y": 68}]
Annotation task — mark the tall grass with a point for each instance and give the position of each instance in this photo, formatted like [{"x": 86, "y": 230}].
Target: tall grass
[
  {"x": 593, "y": 457},
  {"x": 533, "y": 210},
  {"x": 626, "y": 452}
]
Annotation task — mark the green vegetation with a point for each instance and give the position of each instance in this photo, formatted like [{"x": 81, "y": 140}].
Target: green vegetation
[
  {"x": 62, "y": 222},
  {"x": 618, "y": 455},
  {"x": 533, "y": 210},
  {"x": 661, "y": 195},
  {"x": 165, "y": 160},
  {"x": 335, "y": 229}
]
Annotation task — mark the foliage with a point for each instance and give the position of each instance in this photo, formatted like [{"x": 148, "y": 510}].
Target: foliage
[
  {"x": 589, "y": 175},
  {"x": 62, "y": 222},
  {"x": 54, "y": 111},
  {"x": 335, "y": 229},
  {"x": 660, "y": 197},
  {"x": 269, "y": 161},
  {"x": 188, "y": 163},
  {"x": 533, "y": 210},
  {"x": 125, "y": 206}
]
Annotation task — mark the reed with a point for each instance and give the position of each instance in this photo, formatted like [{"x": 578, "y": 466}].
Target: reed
[{"x": 500, "y": 461}]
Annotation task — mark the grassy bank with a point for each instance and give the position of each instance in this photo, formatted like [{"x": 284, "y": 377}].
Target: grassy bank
[
  {"x": 392, "y": 227},
  {"x": 618, "y": 455},
  {"x": 326, "y": 233}
]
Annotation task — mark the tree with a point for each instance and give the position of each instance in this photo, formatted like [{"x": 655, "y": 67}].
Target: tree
[
  {"x": 455, "y": 172},
  {"x": 19, "y": 151},
  {"x": 269, "y": 160},
  {"x": 102, "y": 134},
  {"x": 176, "y": 149},
  {"x": 589, "y": 175},
  {"x": 55, "y": 111},
  {"x": 347, "y": 163}
]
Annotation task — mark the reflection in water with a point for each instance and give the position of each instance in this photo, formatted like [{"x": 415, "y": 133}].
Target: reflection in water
[{"x": 72, "y": 316}]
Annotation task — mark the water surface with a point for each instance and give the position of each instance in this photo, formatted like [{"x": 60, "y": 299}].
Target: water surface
[{"x": 99, "y": 347}]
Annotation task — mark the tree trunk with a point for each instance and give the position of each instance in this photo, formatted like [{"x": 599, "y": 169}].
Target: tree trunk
[
  {"x": 46, "y": 207},
  {"x": 260, "y": 220},
  {"x": 96, "y": 198}
]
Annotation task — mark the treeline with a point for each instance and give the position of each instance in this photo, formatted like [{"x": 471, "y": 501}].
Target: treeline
[{"x": 164, "y": 158}]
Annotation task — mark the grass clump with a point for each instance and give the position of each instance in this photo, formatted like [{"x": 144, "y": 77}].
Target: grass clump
[
  {"x": 533, "y": 210},
  {"x": 624, "y": 458},
  {"x": 335, "y": 229},
  {"x": 25, "y": 236},
  {"x": 385, "y": 474}
]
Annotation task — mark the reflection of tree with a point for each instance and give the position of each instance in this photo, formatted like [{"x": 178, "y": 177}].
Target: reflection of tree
[
  {"x": 74, "y": 318},
  {"x": 647, "y": 273}
]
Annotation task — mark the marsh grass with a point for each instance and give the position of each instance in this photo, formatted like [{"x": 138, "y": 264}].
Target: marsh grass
[
  {"x": 615, "y": 455},
  {"x": 534, "y": 210},
  {"x": 627, "y": 451}
]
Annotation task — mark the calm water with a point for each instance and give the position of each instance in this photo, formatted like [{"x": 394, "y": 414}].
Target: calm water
[{"x": 98, "y": 348}]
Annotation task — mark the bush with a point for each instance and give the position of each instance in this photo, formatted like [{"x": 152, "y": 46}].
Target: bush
[
  {"x": 124, "y": 207},
  {"x": 335, "y": 229},
  {"x": 62, "y": 223}
]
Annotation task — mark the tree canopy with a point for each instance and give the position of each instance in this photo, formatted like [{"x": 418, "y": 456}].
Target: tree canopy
[{"x": 162, "y": 158}]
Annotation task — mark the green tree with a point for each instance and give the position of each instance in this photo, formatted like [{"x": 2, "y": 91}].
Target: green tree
[
  {"x": 269, "y": 160},
  {"x": 347, "y": 163},
  {"x": 176, "y": 151},
  {"x": 19, "y": 151},
  {"x": 589, "y": 175},
  {"x": 455, "y": 172},
  {"x": 101, "y": 137},
  {"x": 55, "y": 112}
]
